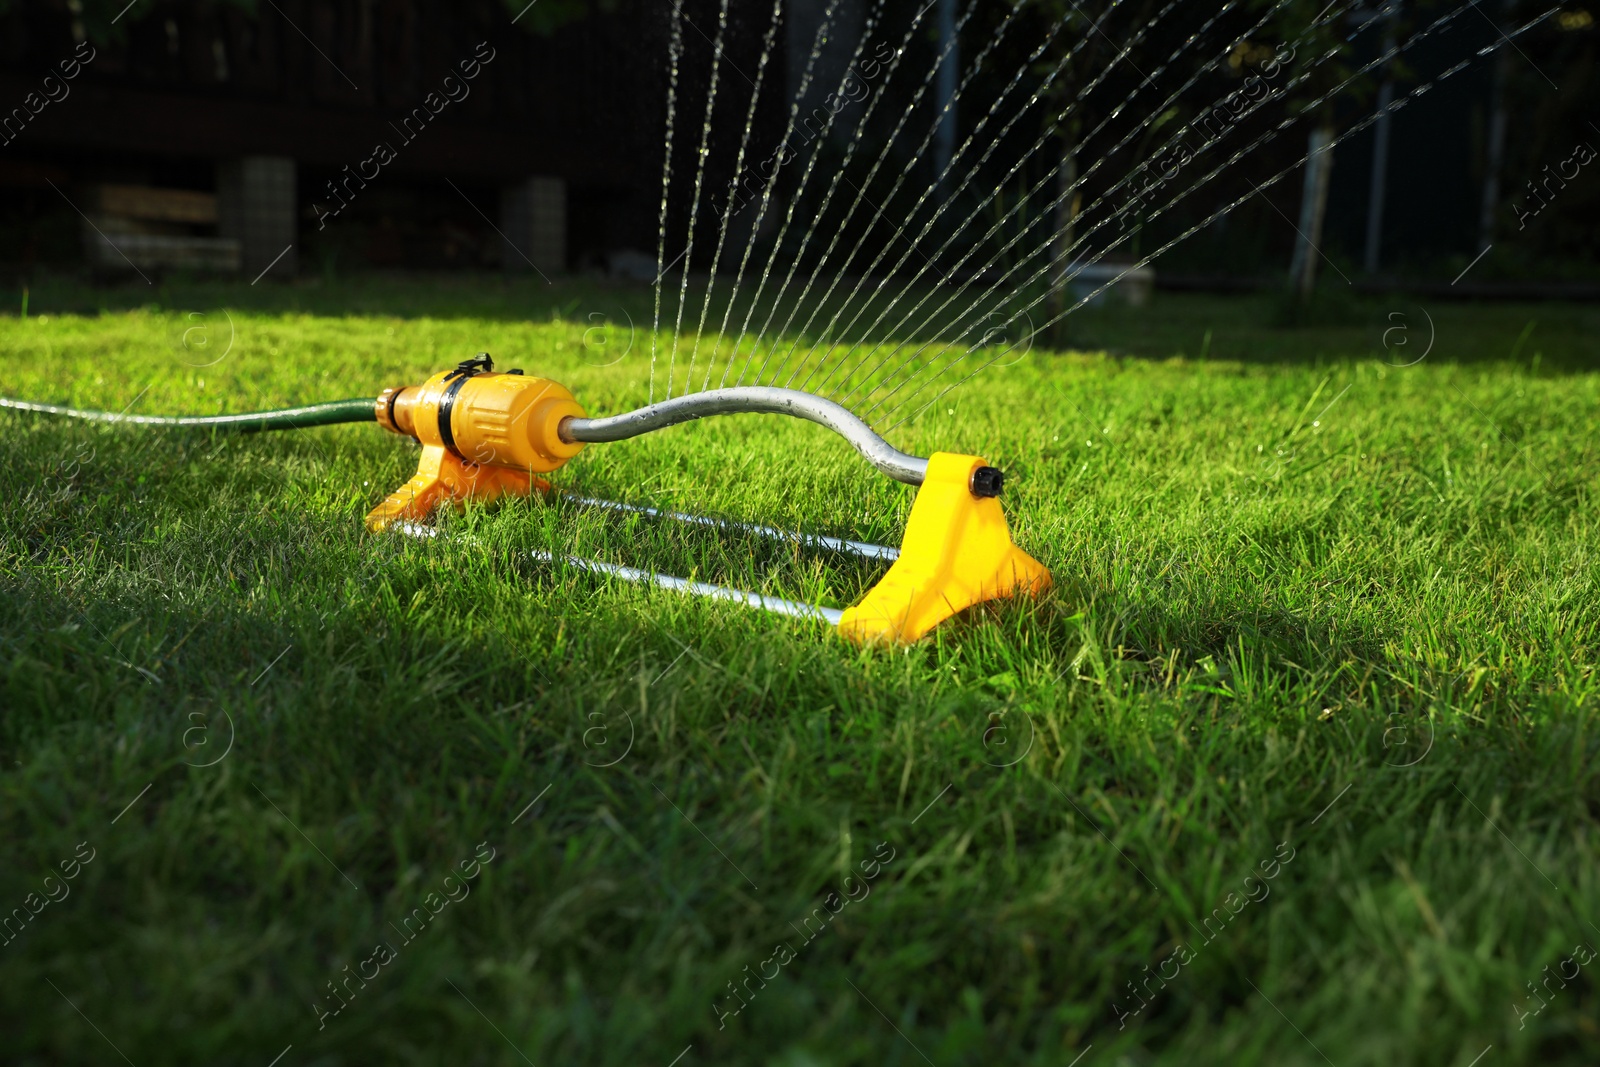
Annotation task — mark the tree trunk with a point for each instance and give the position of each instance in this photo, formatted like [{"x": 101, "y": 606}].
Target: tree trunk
[
  {"x": 1313, "y": 208},
  {"x": 1065, "y": 227},
  {"x": 1377, "y": 192},
  {"x": 1496, "y": 149}
]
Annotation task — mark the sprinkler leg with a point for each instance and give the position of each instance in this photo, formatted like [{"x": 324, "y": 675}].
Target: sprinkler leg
[
  {"x": 443, "y": 476},
  {"x": 957, "y": 552}
]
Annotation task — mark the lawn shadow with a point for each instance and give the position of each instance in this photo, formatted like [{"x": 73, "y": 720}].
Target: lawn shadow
[{"x": 1398, "y": 331}]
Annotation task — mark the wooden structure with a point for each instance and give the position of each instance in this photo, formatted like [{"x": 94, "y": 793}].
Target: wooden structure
[
  {"x": 148, "y": 228},
  {"x": 552, "y": 144}
]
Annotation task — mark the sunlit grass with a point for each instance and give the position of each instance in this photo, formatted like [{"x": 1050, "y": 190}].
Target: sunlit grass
[{"x": 1308, "y": 602}]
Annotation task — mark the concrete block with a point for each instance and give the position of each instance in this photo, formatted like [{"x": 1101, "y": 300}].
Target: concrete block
[
  {"x": 256, "y": 198},
  {"x": 533, "y": 223}
]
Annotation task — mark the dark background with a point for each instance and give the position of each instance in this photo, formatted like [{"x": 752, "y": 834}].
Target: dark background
[{"x": 578, "y": 93}]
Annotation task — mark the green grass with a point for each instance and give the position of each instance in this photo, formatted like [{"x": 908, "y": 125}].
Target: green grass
[{"x": 1307, "y": 605}]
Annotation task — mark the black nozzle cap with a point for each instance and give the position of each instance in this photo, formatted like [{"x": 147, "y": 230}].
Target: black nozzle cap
[{"x": 988, "y": 481}]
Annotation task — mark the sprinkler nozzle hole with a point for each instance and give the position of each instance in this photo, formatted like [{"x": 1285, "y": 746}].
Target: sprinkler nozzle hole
[{"x": 987, "y": 481}]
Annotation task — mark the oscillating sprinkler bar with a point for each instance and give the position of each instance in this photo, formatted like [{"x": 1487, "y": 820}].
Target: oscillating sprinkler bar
[{"x": 485, "y": 434}]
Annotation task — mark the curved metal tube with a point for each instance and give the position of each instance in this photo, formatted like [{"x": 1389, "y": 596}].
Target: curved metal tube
[{"x": 753, "y": 398}]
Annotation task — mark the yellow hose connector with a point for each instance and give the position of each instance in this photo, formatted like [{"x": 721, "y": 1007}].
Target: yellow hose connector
[{"x": 484, "y": 434}]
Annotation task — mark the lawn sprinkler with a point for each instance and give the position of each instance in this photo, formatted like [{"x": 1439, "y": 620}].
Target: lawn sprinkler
[{"x": 486, "y": 434}]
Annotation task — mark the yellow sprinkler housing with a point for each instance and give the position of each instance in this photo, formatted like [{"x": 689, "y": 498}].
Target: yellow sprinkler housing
[
  {"x": 957, "y": 552},
  {"x": 483, "y": 435}
]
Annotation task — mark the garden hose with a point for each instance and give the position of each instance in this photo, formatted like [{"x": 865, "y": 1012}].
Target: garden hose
[
  {"x": 486, "y": 434},
  {"x": 335, "y": 411}
]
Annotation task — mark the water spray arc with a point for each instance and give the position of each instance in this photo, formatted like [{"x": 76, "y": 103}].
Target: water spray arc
[{"x": 486, "y": 434}]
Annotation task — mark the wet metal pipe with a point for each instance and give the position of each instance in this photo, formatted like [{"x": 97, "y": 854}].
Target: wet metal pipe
[{"x": 760, "y": 399}]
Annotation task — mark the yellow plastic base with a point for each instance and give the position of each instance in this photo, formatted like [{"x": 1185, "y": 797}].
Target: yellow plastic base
[
  {"x": 957, "y": 552},
  {"x": 442, "y": 476}
]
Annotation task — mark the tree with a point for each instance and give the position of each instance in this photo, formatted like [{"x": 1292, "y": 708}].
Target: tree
[
  {"x": 1284, "y": 57},
  {"x": 1083, "y": 48},
  {"x": 1317, "y": 79}
]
